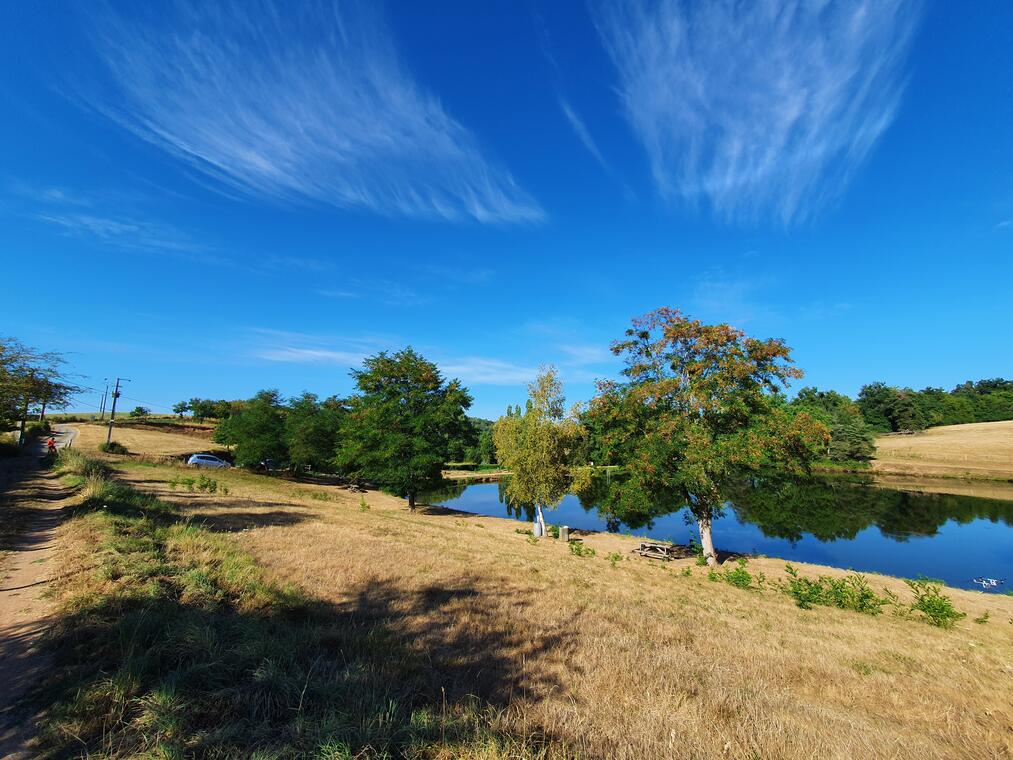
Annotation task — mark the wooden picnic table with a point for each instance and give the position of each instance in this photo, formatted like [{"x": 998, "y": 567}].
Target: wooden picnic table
[{"x": 664, "y": 552}]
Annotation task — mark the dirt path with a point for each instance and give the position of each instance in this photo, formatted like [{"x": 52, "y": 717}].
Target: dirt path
[{"x": 24, "y": 576}]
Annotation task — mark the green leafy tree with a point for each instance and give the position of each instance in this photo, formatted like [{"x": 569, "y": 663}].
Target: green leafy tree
[
  {"x": 876, "y": 401},
  {"x": 139, "y": 412},
  {"x": 201, "y": 408},
  {"x": 537, "y": 447},
  {"x": 181, "y": 408},
  {"x": 487, "y": 447},
  {"x": 257, "y": 432},
  {"x": 31, "y": 380},
  {"x": 311, "y": 431},
  {"x": 851, "y": 438},
  {"x": 400, "y": 424},
  {"x": 700, "y": 407}
]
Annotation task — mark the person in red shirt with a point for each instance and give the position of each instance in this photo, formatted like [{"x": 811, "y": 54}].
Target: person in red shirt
[{"x": 51, "y": 446}]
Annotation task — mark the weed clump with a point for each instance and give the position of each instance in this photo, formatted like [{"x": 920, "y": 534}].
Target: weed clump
[
  {"x": 614, "y": 558},
  {"x": 578, "y": 549},
  {"x": 933, "y": 604},
  {"x": 852, "y": 592},
  {"x": 113, "y": 448},
  {"x": 74, "y": 463}
]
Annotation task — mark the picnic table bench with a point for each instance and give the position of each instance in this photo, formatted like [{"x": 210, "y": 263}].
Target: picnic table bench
[{"x": 664, "y": 552}]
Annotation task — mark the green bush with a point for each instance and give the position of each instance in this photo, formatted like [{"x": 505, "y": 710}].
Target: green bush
[
  {"x": 553, "y": 530},
  {"x": 578, "y": 549},
  {"x": 929, "y": 600},
  {"x": 73, "y": 462},
  {"x": 38, "y": 428},
  {"x": 206, "y": 484},
  {"x": 113, "y": 448},
  {"x": 614, "y": 558},
  {"x": 739, "y": 576},
  {"x": 851, "y": 592}
]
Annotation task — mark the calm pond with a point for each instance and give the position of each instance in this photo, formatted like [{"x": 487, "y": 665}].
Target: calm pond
[{"x": 834, "y": 522}]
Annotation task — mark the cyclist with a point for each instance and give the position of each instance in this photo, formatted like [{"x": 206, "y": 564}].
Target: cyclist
[{"x": 51, "y": 446}]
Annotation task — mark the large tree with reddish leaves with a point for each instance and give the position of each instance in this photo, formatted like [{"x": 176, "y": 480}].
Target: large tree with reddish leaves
[{"x": 698, "y": 408}]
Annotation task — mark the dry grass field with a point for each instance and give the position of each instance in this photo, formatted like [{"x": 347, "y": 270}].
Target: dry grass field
[
  {"x": 146, "y": 441},
  {"x": 979, "y": 450},
  {"x": 611, "y": 655}
]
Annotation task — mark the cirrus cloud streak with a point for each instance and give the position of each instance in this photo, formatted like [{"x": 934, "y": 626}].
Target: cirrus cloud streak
[
  {"x": 758, "y": 109},
  {"x": 296, "y": 102}
]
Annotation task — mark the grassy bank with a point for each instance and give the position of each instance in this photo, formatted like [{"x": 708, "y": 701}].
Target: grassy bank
[
  {"x": 172, "y": 643},
  {"x": 338, "y": 620}
]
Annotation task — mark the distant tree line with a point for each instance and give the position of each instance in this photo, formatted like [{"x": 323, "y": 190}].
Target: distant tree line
[
  {"x": 881, "y": 408},
  {"x": 888, "y": 409}
]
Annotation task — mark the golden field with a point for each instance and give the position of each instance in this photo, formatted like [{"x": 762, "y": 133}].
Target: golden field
[
  {"x": 621, "y": 658},
  {"x": 978, "y": 450}
]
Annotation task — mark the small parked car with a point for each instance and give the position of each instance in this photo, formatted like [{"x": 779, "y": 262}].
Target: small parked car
[{"x": 207, "y": 460}]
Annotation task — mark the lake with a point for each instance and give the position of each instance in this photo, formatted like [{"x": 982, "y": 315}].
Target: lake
[{"x": 837, "y": 522}]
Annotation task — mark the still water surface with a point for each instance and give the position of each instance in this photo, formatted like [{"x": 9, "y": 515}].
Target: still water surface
[{"x": 834, "y": 522}]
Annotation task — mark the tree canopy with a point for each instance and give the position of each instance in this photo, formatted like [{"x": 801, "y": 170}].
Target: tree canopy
[
  {"x": 400, "y": 425},
  {"x": 30, "y": 380},
  {"x": 256, "y": 431},
  {"x": 537, "y": 445},
  {"x": 699, "y": 407}
]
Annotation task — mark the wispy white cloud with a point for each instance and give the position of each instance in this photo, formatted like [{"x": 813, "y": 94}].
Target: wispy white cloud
[
  {"x": 759, "y": 108},
  {"x": 296, "y": 102},
  {"x": 85, "y": 215},
  {"x": 485, "y": 371},
  {"x": 1004, "y": 223},
  {"x": 462, "y": 273},
  {"x": 580, "y": 129},
  {"x": 585, "y": 353},
  {"x": 382, "y": 291},
  {"x": 734, "y": 297},
  {"x": 304, "y": 348},
  {"x": 123, "y": 232}
]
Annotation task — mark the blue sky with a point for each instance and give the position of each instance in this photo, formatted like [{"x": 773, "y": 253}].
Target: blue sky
[{"x": 211, "y": 199}]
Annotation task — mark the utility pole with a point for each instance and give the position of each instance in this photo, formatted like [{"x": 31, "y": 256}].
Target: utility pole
[
  {"x": 102, "y": 407},
  {"x": 112, "y": 413}
]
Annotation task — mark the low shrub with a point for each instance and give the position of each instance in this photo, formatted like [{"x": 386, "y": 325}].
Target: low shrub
[
  {"x": 578, "y": 549},
  {"x": 113, "y": 447},
  {"x": 205, "y": 484},
  {"x": 851, "y": 592},
  {"x": 363, "y": 506},
  {"x": 553, "y": 530},
  {"x": 73, "y": 462},
  {"x": 614, "y": 558},
  {"x": 933, "y": 604},
  {"x": 38, "y": 428}
]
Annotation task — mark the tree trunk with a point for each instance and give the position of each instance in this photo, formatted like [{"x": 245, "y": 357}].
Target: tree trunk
[
  {"x": 411, "y": 501},
  {"x": 539, "y": 521},
  {"x": 707, "y": 540}
]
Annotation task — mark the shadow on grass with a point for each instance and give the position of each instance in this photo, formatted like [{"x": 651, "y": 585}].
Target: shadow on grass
[{"x": 182, "y": 649}]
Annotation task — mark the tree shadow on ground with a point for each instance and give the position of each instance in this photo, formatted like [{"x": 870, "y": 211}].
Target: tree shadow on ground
[
  {"x": 235, "y": 521},
  {"x": 183, "y": 662}
]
